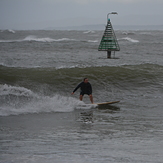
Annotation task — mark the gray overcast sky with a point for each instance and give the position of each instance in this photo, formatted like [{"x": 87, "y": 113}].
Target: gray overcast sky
[{"x": 40, "y": 14}]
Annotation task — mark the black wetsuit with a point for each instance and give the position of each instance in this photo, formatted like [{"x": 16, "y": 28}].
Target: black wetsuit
[{"x": 85, "y": 88}]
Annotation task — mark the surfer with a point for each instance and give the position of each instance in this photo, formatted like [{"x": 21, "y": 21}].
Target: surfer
[{"x": 85, "y": 88}]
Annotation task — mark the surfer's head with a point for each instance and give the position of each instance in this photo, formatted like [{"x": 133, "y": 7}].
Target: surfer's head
[{"x": 85, "y": 80}]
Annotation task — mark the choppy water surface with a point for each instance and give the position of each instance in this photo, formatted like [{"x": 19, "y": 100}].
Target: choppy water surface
[{"x": 40, "y": 121}]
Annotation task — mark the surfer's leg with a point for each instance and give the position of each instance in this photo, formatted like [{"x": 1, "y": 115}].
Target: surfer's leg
[
  {"x": 91, "y": 98},
  {"x": 81, "y": 97}
]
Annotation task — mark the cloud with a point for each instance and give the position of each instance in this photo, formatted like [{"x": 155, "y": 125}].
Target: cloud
[
  {"x": 103, "y": 1},
  {"x": 13, "y": 13}
]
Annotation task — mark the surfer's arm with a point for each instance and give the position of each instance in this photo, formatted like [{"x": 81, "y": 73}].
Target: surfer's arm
[{"x": 79, "y": 85}]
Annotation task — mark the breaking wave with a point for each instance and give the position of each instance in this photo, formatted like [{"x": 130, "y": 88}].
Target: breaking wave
[
  {"x": 34, "y": 38},
  {"x": 45, "y": 39},
  {"x": 86, "y": 32},
  {"x": 21, "y": 100},
  {"x": 37, "y": 90},
  {"x": 129, "y": 39}
]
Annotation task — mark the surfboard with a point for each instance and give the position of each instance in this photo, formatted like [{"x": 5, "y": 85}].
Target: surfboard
[
  {"x": 106, "y": 103},
  {"x": 97, "y": 104}
]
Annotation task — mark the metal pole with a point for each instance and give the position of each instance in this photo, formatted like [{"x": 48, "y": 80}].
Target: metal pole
[
  {"x": 108, "y": 54},
  {"x": 110, "y": 13}
]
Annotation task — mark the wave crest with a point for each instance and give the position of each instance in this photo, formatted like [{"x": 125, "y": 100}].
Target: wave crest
[
  {"x": 34, "y": 38},
  {"x": 46, "y": 39},
  {"x": 129, "y": 39}
]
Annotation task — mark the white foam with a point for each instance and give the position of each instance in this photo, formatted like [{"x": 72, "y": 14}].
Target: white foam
[
  {"x": 89, "y": 32},
  {"x": 129, "y": 39},
  {"x": 93, "y": 41},
  {"x": 2, "y": 64},
  {"x": 19, "y": 100},
  {"x": 65, "y": 39},
  {"x": 8, "y": 30},
  {"x": 128, "y": 33},
  {"x": 44, "y": 39},
  {"x": 13, "y": 90},
  {"x": 11, "y": 31}
]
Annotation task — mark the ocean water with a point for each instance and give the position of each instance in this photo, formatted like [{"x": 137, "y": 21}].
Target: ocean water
[{"x": 40, "y": 121}]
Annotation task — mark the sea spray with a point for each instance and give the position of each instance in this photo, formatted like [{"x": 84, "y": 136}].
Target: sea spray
[{"x": 17, "y": 100}]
